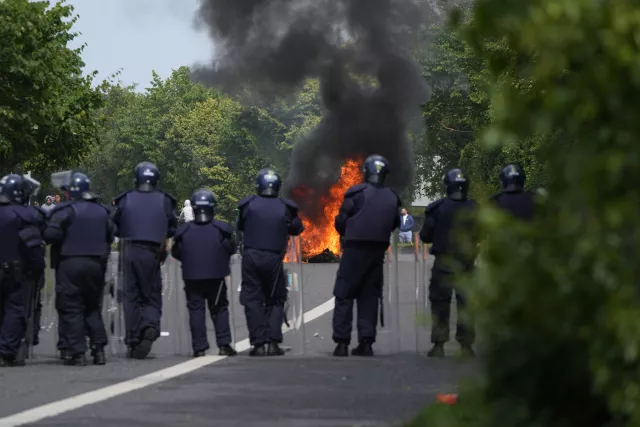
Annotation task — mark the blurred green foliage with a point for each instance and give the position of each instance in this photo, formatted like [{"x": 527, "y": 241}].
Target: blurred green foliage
[{"x": 558, "y": 300}]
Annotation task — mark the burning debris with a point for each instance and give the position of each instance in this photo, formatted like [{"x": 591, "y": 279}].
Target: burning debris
[
  {"x": 319, "y": 234},
  {"x": 371, "y": 88},
  {"x": 324, "y": 257}
]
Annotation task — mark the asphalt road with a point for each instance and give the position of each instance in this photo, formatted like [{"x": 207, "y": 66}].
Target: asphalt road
[{"x": 307, "y": 387}]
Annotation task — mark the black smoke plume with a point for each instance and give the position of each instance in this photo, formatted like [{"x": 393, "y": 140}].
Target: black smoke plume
[{"x": 360, "y": 50}]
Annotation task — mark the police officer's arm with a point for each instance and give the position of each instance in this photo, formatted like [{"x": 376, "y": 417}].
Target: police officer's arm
[
  {"x": 170, "y": 209},
  {"x": 176, "y": 248},
  {"x": 57, "y": 225},
  {"x": 32, "y": 245},
  {"x": 112, "y": 230},
  {"x": 294, "y": 223},
  {"x": 229, "y": 242},
  {"x": 239, "y": 220},
  {"x": 350, "y": 206},
  {"x": 430, "y": 222},
  {"x": 117, "y": 216}
]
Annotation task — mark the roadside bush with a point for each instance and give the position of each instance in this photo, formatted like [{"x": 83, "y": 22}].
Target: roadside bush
[{"x": 558, "y": 301}]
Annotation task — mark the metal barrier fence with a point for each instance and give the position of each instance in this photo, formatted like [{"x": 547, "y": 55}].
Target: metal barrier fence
[{"x": 310, "y": 286}]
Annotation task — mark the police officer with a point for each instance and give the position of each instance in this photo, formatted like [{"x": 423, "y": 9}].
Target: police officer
[
  {"x": 84, "y": 232},
  {"x": 204, "y": 246},
  {"x": 34, "y": 293},
  {"x": 513, "y": 198},
  {"x": 446, "y": 221},
  {"x": 145, "y": 218},
  {"x": 21, "y": 261},
  {"x": 266, "y": 220},
  {"x": 367, "y": 217}
]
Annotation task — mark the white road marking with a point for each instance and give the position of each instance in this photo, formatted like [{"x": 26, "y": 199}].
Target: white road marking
[{"x": 76, "y": 402}]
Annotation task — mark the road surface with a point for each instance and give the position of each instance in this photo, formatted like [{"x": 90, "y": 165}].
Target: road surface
[{"x": 299, "y": 389}]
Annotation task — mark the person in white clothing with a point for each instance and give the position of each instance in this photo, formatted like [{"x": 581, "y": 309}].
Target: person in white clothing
[{"x": 187, "y": 213}]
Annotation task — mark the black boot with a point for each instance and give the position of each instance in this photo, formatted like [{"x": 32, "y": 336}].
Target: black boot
[
  {"x": 76, "y": 360},
  {"x": 437, "y": 350},
  {"x": 62, "y": 354},
  {"x": 342, "y": 350},
  {"x": 143, "y": 348},
  {"x": 258, "y": 350},
  {"x": 226, "y": 350},
  {"x": 274, "y": 349},
  {"x": 466, "y": 351},
  {"x": 99, "y": 358},
  {"x": 200, "y": 353},
  {"x": 363, "y": 349},
  {"x": 10, "y": 362}
]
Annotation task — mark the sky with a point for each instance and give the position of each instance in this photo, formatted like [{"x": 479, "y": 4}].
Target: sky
[{"x": 138, "y": 36}]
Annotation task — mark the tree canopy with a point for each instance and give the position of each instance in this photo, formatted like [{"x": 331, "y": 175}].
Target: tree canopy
[{"x": 46, "y": 104}]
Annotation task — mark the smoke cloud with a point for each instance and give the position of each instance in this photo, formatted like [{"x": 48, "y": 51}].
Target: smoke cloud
[{"x": 274, "y": 45}]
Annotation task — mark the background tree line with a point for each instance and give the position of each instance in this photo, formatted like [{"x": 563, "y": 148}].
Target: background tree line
[
  {"x": 54, "y": 117},
  {"x": 546, "y": 83}
]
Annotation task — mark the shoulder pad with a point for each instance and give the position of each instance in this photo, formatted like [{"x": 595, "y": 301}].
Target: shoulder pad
[
  {"x": 222, "y": 226},
  {"x": 61, "y": 206},
  {"x": 106, "y": 209},
  {"x": 290, "y": 203},
  {"x": 181, "y": 230},
  {"x": 434, "y": 205},
  {"x": 30, "y": 216},
  {"x": 242, "y": 203},
  {"x": 395, "y": 194},
  {"x": 170, "y": 197},
  {"x": 355, "y": 189},
  {"x": 40, "y": 212},
  {"x": 120, "y": 196}
]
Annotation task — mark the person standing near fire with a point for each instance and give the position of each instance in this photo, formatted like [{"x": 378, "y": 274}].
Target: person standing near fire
[
  {"x": 266, "y": 221},
  {"x": 367, "y": 217}
]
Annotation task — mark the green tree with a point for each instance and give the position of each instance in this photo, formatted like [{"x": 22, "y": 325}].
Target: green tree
[
  {"x": 457, "y": 110},
  {"x": 559, "y": 297},
  {"x": 46, "y": 104},
  {"x": 196, "y": 136}
]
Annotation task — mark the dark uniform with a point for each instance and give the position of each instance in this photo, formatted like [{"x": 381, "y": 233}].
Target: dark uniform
[
  {"x": 513, "y": 199},
  {"x": 54, "y": 261},
  {"x": 366, "y": 219},
  {"x": 34, "y": 296},
  {"x": 145, "y": 218},
  {"x": 83, "y": 232},
  {"x": 21, "y": 261},
  {"x": 204, "y": 246},
  {"x": 266, "y": 220},
  {"x": 446, "y": 220}
]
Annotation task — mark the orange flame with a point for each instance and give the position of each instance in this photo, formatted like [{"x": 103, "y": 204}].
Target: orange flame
[{"x": 320, "y": 233}]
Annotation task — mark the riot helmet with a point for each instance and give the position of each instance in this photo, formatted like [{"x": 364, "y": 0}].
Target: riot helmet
[
  {"x": 512, "y": 178},
  {"x": 203, "y": 203},
  {"x": 456, "y": 185},
  {"x": 375, "y": 169},
  {"x": 79, "y": 186},
  {"x": 12, "y": 189},
  {"x": 147, "y": 176},
  {"x": 268, "y": 183}
]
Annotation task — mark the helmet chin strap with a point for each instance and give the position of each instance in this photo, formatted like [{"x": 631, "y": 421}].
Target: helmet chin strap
[
  {"x": 512, "y": 188},
  {"x": 202, "y": 218},
  {"x": 146, "y": 187},
  {"x": 457, "y": 195},
  {"x": 269, "y": 192}
]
